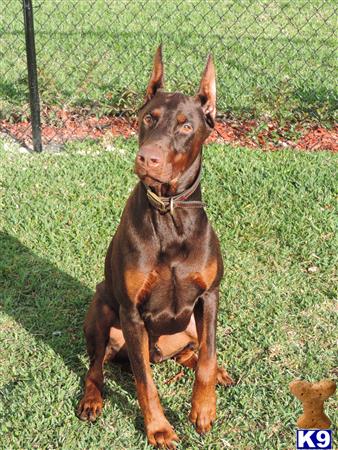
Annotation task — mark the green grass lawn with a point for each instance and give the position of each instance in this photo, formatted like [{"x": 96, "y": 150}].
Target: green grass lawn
[
  {"x": 274, "y": 214},
  {"x": 274, "y": 58}
]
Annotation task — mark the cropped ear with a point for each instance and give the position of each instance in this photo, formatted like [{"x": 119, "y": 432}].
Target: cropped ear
[
  {"x": 157, "y": 77},
  {"x": 207, "y": 92}
]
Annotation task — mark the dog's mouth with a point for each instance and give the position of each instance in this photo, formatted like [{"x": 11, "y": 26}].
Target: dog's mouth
[{"x": 150, "y": 179}]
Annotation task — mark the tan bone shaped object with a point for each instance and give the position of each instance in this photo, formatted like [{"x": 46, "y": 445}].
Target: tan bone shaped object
[{"x": 313, "y": 395}]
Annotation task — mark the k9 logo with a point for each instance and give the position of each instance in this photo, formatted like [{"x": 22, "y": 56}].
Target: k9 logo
[{"x": 314, "y": 439}]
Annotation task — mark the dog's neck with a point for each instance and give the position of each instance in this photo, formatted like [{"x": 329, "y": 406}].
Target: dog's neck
[
  {"x": 188, "y": 177},
  {"x": 161, "y": 223},
  {"x": 182, "y": 182}
]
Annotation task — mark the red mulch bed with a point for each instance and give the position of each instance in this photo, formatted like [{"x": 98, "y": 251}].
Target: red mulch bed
[{"x": 69, "y": 125}]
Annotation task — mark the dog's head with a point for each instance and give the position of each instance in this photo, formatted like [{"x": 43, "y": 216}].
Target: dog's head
[{"x": 173, "y": 127}]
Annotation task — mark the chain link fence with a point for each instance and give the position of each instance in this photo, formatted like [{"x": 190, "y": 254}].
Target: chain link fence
[{"x": 275, "y": 60}]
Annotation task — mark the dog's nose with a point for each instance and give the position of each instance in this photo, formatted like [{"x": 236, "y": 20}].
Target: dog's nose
[{"x": 149, "y": 156}]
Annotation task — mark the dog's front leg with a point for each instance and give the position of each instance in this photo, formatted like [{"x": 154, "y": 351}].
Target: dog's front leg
[
  {"x": 158, "y": 429},
  {"x": 203, "y": 411}
]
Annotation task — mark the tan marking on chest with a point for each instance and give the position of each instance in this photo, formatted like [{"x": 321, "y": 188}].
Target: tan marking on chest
[
  {"x": 139, "y": 284},
  {"x": 206, "y": 276}
]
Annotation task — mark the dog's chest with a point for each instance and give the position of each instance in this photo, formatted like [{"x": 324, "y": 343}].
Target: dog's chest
[{"x": 166, "y": 294}]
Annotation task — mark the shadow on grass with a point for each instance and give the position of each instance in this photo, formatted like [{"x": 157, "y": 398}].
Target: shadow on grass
[
  {"x": 47, "y": 302},
  {"x": 51, "y": 306}
]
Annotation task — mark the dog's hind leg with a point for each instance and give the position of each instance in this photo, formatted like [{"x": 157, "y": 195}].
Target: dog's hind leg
[
  {"x": 186, "y": 351},
  {"x": 188, "y": 358},
  {"x": 99, "y": 320}
]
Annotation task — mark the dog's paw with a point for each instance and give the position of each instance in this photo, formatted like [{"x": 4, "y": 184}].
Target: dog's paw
[
  {"x": 223, "y": 377},
  {"x": 90, "y": 408},
  {"x": 161, "y": 434},
  {"x": 203, "y": 414}
]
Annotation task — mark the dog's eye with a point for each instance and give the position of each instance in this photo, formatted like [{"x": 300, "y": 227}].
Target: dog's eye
[
  {"x": 187, "y": 127},
  {"x": 148, "y": 120}
]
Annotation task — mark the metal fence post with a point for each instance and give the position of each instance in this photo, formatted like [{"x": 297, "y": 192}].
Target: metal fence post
[{"x": 32, "y": 75}]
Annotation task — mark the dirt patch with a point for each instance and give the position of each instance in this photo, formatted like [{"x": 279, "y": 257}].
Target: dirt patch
[
  {"x": 62, "y": 126},
  {"x": 320, "y": 138},
  {"x": 271, "y": 136}
]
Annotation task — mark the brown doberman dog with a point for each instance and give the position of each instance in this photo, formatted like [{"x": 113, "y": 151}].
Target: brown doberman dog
[{"x": 159, "y": 297}]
